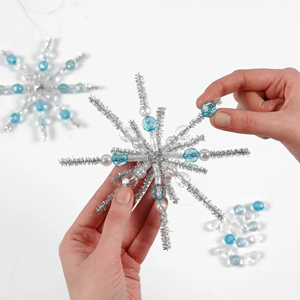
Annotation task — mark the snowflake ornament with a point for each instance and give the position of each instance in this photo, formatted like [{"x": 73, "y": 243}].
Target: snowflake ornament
[
  {"x": 42, "y": 89},
  {"x": 155, "y": 160}
]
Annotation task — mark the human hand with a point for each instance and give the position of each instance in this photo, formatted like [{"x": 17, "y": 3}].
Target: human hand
[
  {"x": 268, "y": 105},
  {"x": 101, "y": 254}
]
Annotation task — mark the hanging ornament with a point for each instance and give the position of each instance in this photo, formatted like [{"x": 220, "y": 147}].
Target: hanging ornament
[
  {"x": 42, "y": 90},
  {"x": 156, "y": 161}
]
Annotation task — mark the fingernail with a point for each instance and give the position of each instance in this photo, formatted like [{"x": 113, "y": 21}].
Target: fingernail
[
  {"x": 222, "y": 119},
  {"x": 123, "y": 196}
]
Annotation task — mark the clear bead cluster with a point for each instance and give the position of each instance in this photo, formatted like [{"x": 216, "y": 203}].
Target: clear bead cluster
[
  {"x": 240, "y": 231},
  {"x": 42, "y": 90}
]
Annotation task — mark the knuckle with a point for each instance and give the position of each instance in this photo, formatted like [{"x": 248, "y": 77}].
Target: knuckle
[
  {"x": 249, "y": 124},
  {"x": 291, "y": 70},
  {"x": 114, "y": 217}
]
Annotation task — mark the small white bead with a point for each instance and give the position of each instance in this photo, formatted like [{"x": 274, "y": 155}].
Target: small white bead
[
  {"x": 161, "y": 206},
  {"x": 204, "y": 154},
  {"x": 180, "y": 182},
  {"x": 106, "y": 160},
  {"x": 140, "y": 172},
  {"x": 137, "y": 143},
  {"x": 145, "y": 111},
  {"x": 146, "y": 165}
]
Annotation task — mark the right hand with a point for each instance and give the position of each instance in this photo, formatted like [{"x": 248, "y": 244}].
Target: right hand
[{"x": 268, "y": 105}]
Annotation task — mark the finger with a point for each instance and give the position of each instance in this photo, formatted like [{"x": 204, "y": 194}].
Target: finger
[
  {"x": 116, "y": 222},
  {"x": 144, "y": 240},
  {"x": 249, "y": 122},
  {"x": 253, "y": 101},
  {"x": 88, "y": 216}
]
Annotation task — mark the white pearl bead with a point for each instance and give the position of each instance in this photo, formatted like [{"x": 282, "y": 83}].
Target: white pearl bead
[
  {"x": 129, "y": 131},
  {"x": 145, "y": 111},
  {"x": 146, "y": 165},
  {"x": 106, "y": 160},
  {"x": 140, "y": 172},
  {"x": 180, "y": 182},
  {"x": 161, "y": 206},
  {"x": 179, "y": 129},
  {"x": 137, "y": 143},
  {"x": 204, "y": 154},
  {"x": 171, "y": 141},
  {"x": 130, "y": 181}
]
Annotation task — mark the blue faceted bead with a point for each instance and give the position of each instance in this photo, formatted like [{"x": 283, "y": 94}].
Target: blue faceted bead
[
  {"x": 15, "y": 118},
  {"x": 241, "y": 242},
  {"x": 43, "y": 65},
  {"x": 40, "y": 105},
  {"x": 65, "y": 114},
  {"x": 158, "y": 192},
  {"x": 63, "y": 88},
  {"x": 239, "y": 209},
  {"x": 149, "y": 123},
  {"x": 191, "y": 155},
  {"x": 258, "y": 206},
  {"x": 119, "y": 158},
  {"x": 17, "y": 88},
  {"x": 229, "y": 239},
  {"x": 253, "y": 226},
  {"x": 70, "y": 64},
  {"x": 208, "y": 109},
  {"x": 11, "y": 59},
  {"x": 235, "y": 260}
]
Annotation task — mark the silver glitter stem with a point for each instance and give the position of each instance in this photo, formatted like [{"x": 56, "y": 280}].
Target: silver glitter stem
[
  {"x": 165, "y": 231},
  {"x": 187, "y": 166},
  {"x": 127, "y": 151},
  {"x": 190, "y": 143},
  {"x": 68, "y": 162},
  {"x": 229, "y": 153},
  {"x": 140, "y": 84},
  {"x": 73, "y": 123},
  {"x": 44, "y": 132},
  {"x": 170, "y": 190},
  {"x": 218, "y": 101},
  {"x": 120, "y": 175},
  {"x": 191, "y": 125},
  {"x": 138, "y": 134},
  {"x": 143, "y": 189},
  {"x": 105, "y": 204}
]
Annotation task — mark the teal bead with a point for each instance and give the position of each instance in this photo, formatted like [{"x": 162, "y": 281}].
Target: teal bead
[
  {"x": 63, "y": 88},
  {"x": 229, "y": 239},
  {"x": 40, "y": 105},
  {"x": 15, "y": 118},
  {"x": 65, "y": 114},
  {"x": 42, "y": 120},
  {"x": 235, "y": 260},
  {"x": 70, "y": 64},
  {"x": 258, "y": 206},
  {"x": 17, "y": 88},
  {"x": 241, "y": 242},
  {"x": 253, "y": 226},
  {"x": 149, "y": 123},
  {"x": 80, "y": 88},
  {"x": 191, "y": 155},
  {"x": 11, "y": 59},
  {"x": 158, "y": 192},
  {"x": 239, "y": 209},
  {"x": 43, "y": 65},
  {"x": 208, "y": 109},
  {"x": 119, "y": 158}
]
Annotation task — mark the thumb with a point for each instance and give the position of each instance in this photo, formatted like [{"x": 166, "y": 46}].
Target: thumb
[
  {"x": 267, "y": 124},
  {"x": 116, "y": 222}
]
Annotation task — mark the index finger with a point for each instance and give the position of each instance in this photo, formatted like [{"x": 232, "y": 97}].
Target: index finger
[{"x": 250, "y": 80}]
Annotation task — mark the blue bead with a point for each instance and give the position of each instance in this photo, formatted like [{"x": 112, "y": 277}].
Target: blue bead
[
  {"x": 119, "y": 158},
  {"x": 235, "y": 260},
  {"x": 43, "y": 65},
  {"x": 258, "y": 206},
  {"x": 253, "y": 226},
  {"x": 63, "y": 88},
  {"x": 17, "y": 88},
  {"x": 241, "y": 242},
  {"x": 65, "y": 114},
  {"x": 239, "y": 209},
  {"x": 208, "y": 109},
  {"x": 191, "y": 155},
  {"x": 42, "y": 120},
  {"x": 15, "y": 118},
  {"x": 149, "y": 123},
  {"x": 229, "y": 239},
  {"x": 40, "y": 105},
  {"x": 11, "y": 59},
  {"x": 70, "y": 64},
  {"x": 158, "y": 192}
]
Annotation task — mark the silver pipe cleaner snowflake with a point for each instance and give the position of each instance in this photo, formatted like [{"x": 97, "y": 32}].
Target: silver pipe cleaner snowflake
[
  {"x": 155, "y": 160},
  {"x": 42, "y": 90}
]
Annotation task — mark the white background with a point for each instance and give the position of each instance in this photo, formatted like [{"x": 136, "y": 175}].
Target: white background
[{"x": 180, "y": 47}]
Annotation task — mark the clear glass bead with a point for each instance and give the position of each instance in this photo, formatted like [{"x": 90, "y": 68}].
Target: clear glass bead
[
  {"x": 140, "y": 172},
  {"x": 236, "y": 229},
  {"x": 256, "y": 238},
  {"x": 253, "y": 226},
  {"x": 128, "y": 131},
  {"x": 170, "y": 170},
  {"x": 171, "y": 141},
  {"x": 179, "y": 129},
  {"x": 130, "y": 181},
  {"x": 145, "y": 111},
  {"x": 204, "y": 154},
  {"x": 215, "y": 224},
  {"x": 220, "y": 250},
  {"x": 161, "y": 206},
  {"x": 251, "y": 258},
  {"x": 106, "y": 160},
  {"x": 250, "y": 216},
  {"x": 180, "y": 182},
  {"x": 225, "y": 227}
]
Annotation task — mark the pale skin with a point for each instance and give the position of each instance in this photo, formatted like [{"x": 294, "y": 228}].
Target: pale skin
[{"x": 101, "y": 254}]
